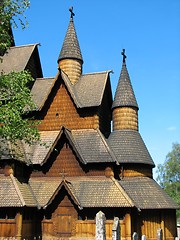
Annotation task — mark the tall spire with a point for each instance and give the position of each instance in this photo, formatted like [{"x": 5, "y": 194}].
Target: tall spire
[
  {"x": 125, "y": 106},
  {"x": 70, "y": 58},
  {"x": 71, "y": 48},
  {"x": 124, "y": 95}
]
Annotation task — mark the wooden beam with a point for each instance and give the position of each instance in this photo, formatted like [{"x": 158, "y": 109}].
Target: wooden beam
[
  {"x": 128, "y": 225},
  {"x": 19, "y": 225}
]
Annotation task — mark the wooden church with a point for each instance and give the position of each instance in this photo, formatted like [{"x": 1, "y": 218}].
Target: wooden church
[{"x": 54, "y": 191}]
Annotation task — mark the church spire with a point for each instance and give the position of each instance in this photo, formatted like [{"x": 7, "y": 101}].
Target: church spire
[
  {"x": 125, "y": 107},
  {"x": 70, "y": 58}
]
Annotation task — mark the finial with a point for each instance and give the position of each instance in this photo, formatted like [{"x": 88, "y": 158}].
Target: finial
[
  {"x": 124, "y": 56},
  {"x": 71, "y": 11}
]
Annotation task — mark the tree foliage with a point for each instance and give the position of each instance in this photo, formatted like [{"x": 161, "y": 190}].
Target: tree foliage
[
  {"x": 15, "y": 98},
  {"x": 11, "y": 12},
  {"x": 169, "y": 174}
]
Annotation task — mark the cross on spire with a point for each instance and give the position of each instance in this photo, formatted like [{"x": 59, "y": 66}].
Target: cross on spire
[
  {"x": 124, "y": 55},
  {"x": 71, "y": 11}
]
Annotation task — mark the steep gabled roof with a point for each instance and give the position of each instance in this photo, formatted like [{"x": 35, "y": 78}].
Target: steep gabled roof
[
  {"x": 39, "y": 152},
  {"x": 89, "y": 145},
  {"x": 83, "y": 191},
  {"x": 129, "y": 147},
  {"x": 17, "y": 59},
  {"x": 124, "y": 96},
  {"x": 88, "y": 92},
  {"x": 70, "y": 48},
  {"x": 92, "y": 146},
  {"x": 146, "y": 193},
  {"x": 15, "y": 194}
]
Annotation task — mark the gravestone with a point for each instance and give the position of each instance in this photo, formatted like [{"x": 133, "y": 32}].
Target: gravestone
[
  {"x": 143, "y": 237},
  {"x": 100, "y": 226},
  {"x": 135, "y": 236},
  {"x": 159, "y": 234},
  {"x": 116, "y": 230}
]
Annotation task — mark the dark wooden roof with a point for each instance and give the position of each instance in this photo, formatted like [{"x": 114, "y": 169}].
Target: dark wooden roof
[
  {"x": 124, "y": 96},
  {"x": 139, "y": 192},
  {"x": 129, "y": 147},
  {"x": 20, "y": 58},
  {"x": 92, "y": 146},
  {"x": 88, "y": 92},
  {"x": 15, "y": 194},
  {"x": 84, "y": 190},
  {"x": 89, "y": 145},
  {"x": 147, "y": 194},
  {"x": 70, "y": 48}
]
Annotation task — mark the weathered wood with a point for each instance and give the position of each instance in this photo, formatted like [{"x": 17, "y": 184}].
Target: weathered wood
[
  {"x": 72, "y": 67},
  {"x": 128, "y": 225},
  {"x": 19, "y": 225},
  {"x": 125, "y": 118}
]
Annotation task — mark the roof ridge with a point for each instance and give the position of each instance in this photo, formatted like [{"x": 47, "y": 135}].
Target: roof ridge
[
  {"x": 76, "y": 145},
  {"x": 64, "y": 183},
  {"x": 34, "y": 197},
  {"x": 105, "y": 71},
  {"x": 71, "y": 89},
  {"x": 123, "y": 191},
  {"x": 107, "y": 146},
  {"x": 26, "y": 45},
  {"x": 13, "y": 179}
]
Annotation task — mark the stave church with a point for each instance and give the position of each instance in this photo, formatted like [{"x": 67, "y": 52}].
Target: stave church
[{"x": 93, "y": 157}]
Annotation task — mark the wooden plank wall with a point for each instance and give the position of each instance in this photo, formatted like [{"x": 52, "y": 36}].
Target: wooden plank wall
[
  {"x": 63, "y": 112},
  {"x": 7, "y": 227}
]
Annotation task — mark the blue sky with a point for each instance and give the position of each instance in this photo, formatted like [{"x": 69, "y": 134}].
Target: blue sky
[{"x": 150, "y": 33}]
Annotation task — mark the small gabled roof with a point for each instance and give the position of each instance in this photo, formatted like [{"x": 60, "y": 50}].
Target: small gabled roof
[
  {"x": 146, "y": 193},
  {"x": 92, "y": 146},
  {"x": 124, "y": 96},
  {"x": 88, "y": 92},
  {"x": 15, "y": 194},
  {"x": 89, "y": 145},
  {"x": 83, "y": 191},
  {"x": 90, "y": 88},
  {"x": 17, "y": 58},
  {"x": 41, "y": 90},
  {"x": 110, "y": 194},
  {"x": 70, "y": 48},
  {"x": 15, "y": 151},
  {"x": 129, "y": 147},
  {"x": 39, "y": 152}
]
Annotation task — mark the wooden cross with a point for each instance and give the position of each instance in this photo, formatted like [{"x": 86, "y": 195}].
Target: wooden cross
[
  {"x": 71, "y": 11},
  {"x": 63, "y": 174},
  {"x": 124, "y": 56}
]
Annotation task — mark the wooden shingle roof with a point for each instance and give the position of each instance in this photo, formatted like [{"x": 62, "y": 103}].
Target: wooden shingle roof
[
  {"x": 124, "y": 96},
  {"x": 89, "y": 145},
  {"x": 15, "y": 194},
  {"x": 70, "y": 48},
  {"x": 99, "y": 192},
  {"x": 92, "y": 146},
  {"x": 84, "y": 190},
  {"x": 40, "y": 151},
  {"x": 87, "y": 92},
  {"x": 17, "y": 59},
  {"x": 129, "y": 147},
  {"x": 147, "y": 194}
]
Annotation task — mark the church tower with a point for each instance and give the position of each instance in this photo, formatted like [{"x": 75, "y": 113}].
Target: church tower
[
  {"x": 70, "y": 58},
  {"x": 125, "y": 107}
]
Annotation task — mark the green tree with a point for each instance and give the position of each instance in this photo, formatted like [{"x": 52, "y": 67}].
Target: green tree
[
  {"x": 169, "y": 174},
  {"x": 15, "y": 98}
]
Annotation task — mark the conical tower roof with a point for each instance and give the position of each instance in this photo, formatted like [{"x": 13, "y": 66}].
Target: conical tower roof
[
  {"x": 71, "y": 48},
  {"x": 124, "y": 96}
]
